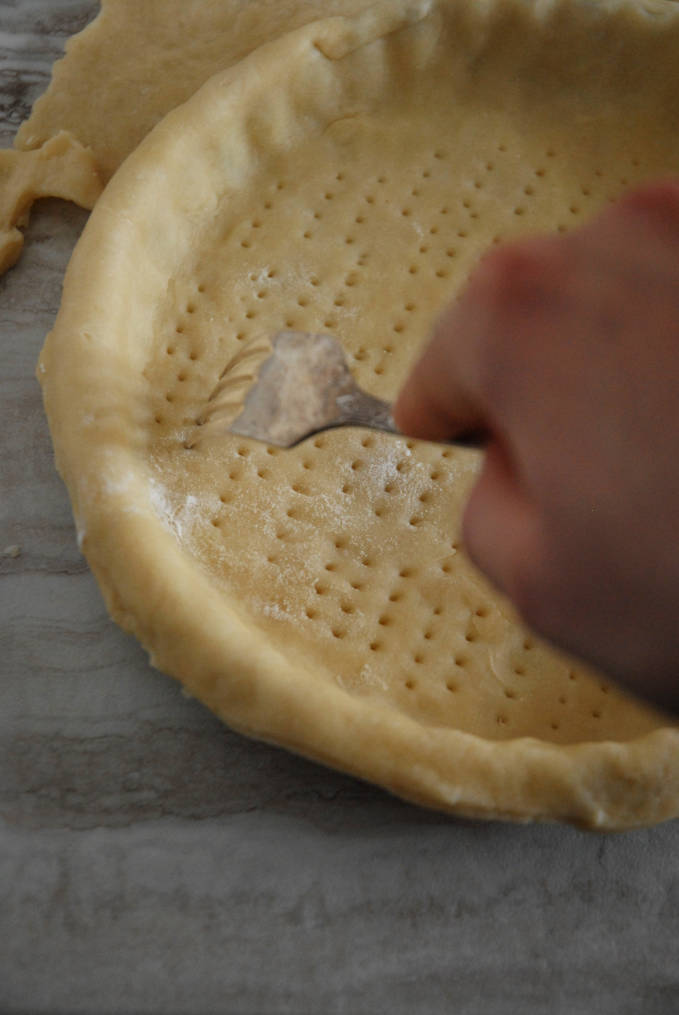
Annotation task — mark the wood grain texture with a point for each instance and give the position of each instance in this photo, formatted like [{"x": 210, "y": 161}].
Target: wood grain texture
[
  {"x": 152, "y": 861},
  {"x": 32, "y": 37}
]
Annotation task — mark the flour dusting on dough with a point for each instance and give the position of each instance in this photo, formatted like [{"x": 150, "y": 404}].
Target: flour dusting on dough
[{"x": 180, "y": 516}]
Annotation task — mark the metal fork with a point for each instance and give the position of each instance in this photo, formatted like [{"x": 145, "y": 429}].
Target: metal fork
[{"x": 285, "y": 389}]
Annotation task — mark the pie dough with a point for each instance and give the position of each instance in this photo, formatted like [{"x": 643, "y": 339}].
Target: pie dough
[
  {"x": 346, "y": 178},
  {"x": 60, "y": 168},
  {"x": 121, "y": 74}
]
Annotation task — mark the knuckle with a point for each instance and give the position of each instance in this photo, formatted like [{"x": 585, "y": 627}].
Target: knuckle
[
  {"x": 516, "y": 273},
  {"x": 516, "y": 296},
  {"x": 655, "y": 200}
]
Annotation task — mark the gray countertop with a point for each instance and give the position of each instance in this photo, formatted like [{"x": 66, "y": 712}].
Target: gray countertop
[{"x": 153, "y": 861}]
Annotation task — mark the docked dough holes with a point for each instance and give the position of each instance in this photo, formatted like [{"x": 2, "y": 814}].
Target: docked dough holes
[
  {"x": 90, "y": 118},
  {"x": 319, "y": 598}
]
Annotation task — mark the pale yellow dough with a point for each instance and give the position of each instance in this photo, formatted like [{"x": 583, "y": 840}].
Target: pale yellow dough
[
  {"x": 346, "y": 178},
  {"x": 135, "y": 62},
  {"x": 60, "y": 168}
]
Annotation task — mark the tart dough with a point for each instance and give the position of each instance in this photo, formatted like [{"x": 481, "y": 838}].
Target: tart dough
[
  {"x": 60, "y": 168},
  {"x": 120, "y": 75},
  {"x": 346, "y": 178}
]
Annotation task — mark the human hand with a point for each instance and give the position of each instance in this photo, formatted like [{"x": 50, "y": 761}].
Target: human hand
[{"x": 564, "y": 350}]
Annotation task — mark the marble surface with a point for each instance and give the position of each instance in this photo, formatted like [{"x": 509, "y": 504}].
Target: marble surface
[{"x": 151, "y": 861}]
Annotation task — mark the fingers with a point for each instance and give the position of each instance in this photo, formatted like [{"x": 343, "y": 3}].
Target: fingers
[
  {"x": 500, "y": 526},
  {"x": 436, "y": 402},
  {"x": 450, "y": 389},
  {"x": 475, "y": 347}
]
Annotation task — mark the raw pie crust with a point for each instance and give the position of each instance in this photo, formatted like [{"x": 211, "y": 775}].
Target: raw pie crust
[
  {"x": 120, "y": 75},
  {"x": 346, "y": 178}
]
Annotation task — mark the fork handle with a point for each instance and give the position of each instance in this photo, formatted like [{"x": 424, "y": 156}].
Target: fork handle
[{"x": 358, "y": 408}]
